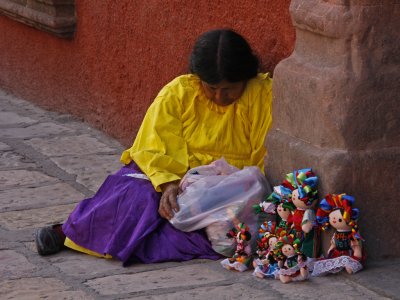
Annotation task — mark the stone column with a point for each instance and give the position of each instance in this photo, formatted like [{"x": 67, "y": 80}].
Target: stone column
[{"x": 336, "y": 109}]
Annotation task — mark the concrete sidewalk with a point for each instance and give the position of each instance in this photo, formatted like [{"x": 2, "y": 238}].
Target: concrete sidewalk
[{"x": 49, "y": 162}]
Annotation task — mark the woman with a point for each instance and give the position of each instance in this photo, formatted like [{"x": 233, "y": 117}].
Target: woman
[{"x": 223, "y": 108}]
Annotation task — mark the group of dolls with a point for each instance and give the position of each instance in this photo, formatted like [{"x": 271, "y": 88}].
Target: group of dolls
[{"x": 289, "y": 246}]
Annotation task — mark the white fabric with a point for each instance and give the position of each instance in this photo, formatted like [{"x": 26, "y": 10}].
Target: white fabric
[
  {"x": 139, "y": 176},
  {"x": 334, "y": 265}
]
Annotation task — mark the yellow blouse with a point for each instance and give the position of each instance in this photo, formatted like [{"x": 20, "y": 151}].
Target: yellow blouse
[{"x": 183, "y": 129}]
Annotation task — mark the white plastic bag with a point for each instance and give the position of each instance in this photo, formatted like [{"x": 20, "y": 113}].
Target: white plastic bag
[{"x": 218, "y": 197}]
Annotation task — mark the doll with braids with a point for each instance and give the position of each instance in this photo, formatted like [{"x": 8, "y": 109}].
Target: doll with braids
[
  {"x": 265, "y": 265},
  {"x": 345, "y": 251},
  {"x": 293, "y": 265}
]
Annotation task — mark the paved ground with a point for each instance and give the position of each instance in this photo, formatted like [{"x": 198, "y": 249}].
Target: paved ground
[{"x": 49, "y": 162}]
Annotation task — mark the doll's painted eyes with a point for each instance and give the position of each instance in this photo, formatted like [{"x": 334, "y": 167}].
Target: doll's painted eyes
[
  {"x": 340, "y": 220},
  {"x": 284, "y": 209}
]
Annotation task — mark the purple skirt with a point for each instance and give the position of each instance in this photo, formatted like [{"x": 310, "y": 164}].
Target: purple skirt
[{"x": 122, "y": 220}]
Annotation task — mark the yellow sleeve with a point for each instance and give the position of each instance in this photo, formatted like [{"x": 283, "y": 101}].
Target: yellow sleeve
[
  {"x": 261, "y": 121},
  {"x": 159, "y": 148}
]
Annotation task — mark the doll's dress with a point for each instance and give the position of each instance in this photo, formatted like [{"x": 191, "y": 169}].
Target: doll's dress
[
  {"x": 266, "y": 270},
  {"x": 293, "y": 268},
  {"x": 340, "y": 257},
  {"x": 240, "y": 260},
  {"x": 237, "y": 262},
  {"x": 309, "y": 241}
]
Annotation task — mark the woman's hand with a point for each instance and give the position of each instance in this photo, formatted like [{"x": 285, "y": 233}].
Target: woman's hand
[{"x": 168, "y": 203}]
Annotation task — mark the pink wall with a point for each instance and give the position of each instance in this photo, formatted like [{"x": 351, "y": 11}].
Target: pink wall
[{"x": 125, "y": 51}]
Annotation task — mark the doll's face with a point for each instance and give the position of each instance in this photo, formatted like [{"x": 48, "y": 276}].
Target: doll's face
[
  {"x": 283, "y": 212},
  {"x": 288, "y": 250},
  {"x": 271, "y": 242},
  {"x": 298, "y": 203},
  {"x": 336, "y": 220}
]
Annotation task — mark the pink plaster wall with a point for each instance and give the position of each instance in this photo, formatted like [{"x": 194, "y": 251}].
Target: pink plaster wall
[{"x": 125, "y": 51}]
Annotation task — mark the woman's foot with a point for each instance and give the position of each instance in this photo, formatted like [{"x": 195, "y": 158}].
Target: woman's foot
[{"x": 49, "y": 240}]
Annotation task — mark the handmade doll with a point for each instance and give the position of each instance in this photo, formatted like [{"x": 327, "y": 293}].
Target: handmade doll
[
  {"x": 293, "y": 265},
  {"x": 266, "y": 265},
  {"x": 278, "y": 203},
  {"x": 240, "y": 261},
  {"x": 303, "y": 186},
  {"x": 346, "y": 250}
]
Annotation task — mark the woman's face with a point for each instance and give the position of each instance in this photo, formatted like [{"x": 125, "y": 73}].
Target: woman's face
[{"x": 225, "y": 92}]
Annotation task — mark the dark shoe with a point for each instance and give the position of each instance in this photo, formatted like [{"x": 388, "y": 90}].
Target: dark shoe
[{"x": 49, "y": 240}]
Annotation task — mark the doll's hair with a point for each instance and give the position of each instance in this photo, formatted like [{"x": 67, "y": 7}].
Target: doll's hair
[
  {"x": 287, "y": 239},
  {"x": 281, "y": 197},
  {"x": 241, "y": 228},
  {"x": 333, "y": 202},
  {"x": 305, "y": 181},
  {"x": 223, "y": 54}
]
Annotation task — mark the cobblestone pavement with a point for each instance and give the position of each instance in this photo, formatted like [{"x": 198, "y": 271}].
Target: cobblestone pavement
[{"x": 49, "y": 162}]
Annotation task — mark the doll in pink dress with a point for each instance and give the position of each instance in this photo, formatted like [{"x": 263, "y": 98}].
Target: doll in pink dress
[
  {"x": 241, "y": 260},
  {"x": 346, "y": 251}
]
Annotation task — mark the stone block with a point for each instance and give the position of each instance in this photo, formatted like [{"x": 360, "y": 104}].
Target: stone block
[
  {"x": 42, "y": 196},
  {"x": 76, "y": 264},
  {"x": 15, "y": 178},
  {"x": 39, "y": 288},
  {"x": 4, "y": 147},
  {"x": 35, "y": 218},
  {"x": 179, "y": 277},
  {"x": 13, "y": 264},
  {"x": 366, "y": 175},
  {"x": 335, "y": 109},
  {"x": 11, "y": 118},
  {"x": 12, "y": 160},
  {"x": 91, "y": 170},
  {"x": 37, "y": 130},
  {"x": 69, "y": 145},
  {"x": 234, "y": 291}
]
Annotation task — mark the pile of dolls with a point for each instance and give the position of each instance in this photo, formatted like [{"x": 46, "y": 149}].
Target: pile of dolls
[{"x": 288, "y": 246}]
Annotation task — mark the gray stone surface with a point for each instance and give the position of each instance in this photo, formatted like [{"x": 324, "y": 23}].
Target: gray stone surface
[
  {"x": 14, "y": 264},
  {"x": 226, "y": 292},
  {"x": 69, "y": 145},
  {"x": 38, "y": 217},
  {"x": 88, "y": 168},
  {"x": 14, "y": 178},
  {"x": 11, "y": 118},
  {"x": 35, "y": 192},
  {"x": 41, "y": 129},
  {"x": 152, "y": 280},
  {"x": 39, "y": 196},
  {"x": 4, "y": 147},
  {"x": 39, "y": 288},
  {"x": 11, "y": 160}
]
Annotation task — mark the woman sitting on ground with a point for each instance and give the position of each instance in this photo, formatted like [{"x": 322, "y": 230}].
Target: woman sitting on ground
[{"x": 221, "y": 109}]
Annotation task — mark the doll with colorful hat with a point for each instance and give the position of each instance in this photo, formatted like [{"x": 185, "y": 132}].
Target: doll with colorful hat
[
  {"x": 346, "y": 251},
  {"x": 241, "y": 260},
  {"x": 293, "y": 265},
  {"x": 304, "y": 196},
  {"x": 265, "y": 265}
]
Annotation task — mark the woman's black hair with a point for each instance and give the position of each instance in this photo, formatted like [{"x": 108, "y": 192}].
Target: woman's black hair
[{"x": 223, "y": 54}]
